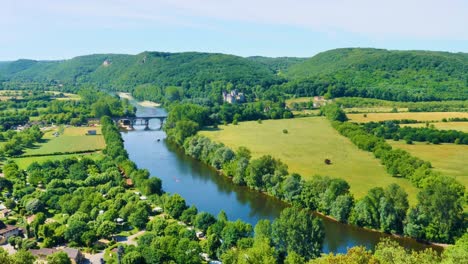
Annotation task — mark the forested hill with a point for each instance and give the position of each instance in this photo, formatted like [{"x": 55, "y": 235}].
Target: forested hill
[
  {"x": 384, "y": 74},
  {"x": 359, "y": 72},
  {"x": 188, "y": 70},
  {"x": 278, "y": 65}
]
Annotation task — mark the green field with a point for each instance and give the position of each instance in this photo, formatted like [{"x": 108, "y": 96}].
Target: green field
[
  {"x": 460, "y": 126},
  {"x": 380, "y": 109},
  {"x": 66, "y": 96},
  {"x": 23, "y": 163},
  {"x": 449, "y": 159},
  {"x": 420, "y": 116},
  {"x": 304, "y": 148},
  {"x": 72, "y": 139}
]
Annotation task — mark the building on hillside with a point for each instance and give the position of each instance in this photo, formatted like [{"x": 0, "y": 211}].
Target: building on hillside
[
  {"x": 106, "y": 63},
  {"x": 233, "y": 97},
  {"x": 7, "y": 231},
  {"x": 74, "y": 254},
  {"x": 4, "y": 213}
]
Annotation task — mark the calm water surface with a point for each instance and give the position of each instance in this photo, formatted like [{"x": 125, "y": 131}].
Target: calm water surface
[{"x": 203, "y": 187}]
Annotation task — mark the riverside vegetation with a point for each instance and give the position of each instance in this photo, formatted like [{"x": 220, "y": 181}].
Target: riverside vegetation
[
  {"x": 190, "y": 85},
  {"x": 384, "y": 209}
]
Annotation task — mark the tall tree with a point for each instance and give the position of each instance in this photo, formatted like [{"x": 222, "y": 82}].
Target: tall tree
[{"x": 299, "y": 231}]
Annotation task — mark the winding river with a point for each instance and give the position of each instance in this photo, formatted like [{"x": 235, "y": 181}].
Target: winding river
[{"x": 203, "y": 187}]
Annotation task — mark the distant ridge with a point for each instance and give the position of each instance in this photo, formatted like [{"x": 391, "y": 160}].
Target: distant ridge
[{"x": 364, "y": 72}]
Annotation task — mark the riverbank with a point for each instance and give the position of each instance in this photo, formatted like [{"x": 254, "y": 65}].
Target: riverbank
[
  {"x": 145, "y": 103},
  {"x": 198, "y": 141},
  {"x": 190, "y": 178}
]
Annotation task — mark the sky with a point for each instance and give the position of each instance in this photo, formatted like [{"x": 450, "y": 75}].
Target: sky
[{"x": 62, "y": 29}]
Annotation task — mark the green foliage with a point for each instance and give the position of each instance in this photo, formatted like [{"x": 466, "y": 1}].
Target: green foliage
[
  {"x": 204, "y": 220},
  {"x": 457, "y": 253},
  {"x": 438, "y": 216},
  {"x": 354, "y": 255},
  {"x": 175, "y": 205},
  {"x": 333, "y": 112},
  {"x": 22, "y": 257},
  {"x": 389, "y": 251},
  {"x": 59, "y": 257},
  {"x": 383, "y": 74},
  {"x": 196, "y": 73},
  {"x": 299, "y": 231}
]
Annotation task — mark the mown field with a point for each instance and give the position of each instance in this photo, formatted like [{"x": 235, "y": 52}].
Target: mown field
[
  {"x": 71, "y": 139},
  {"x": 460, "y": 126},
  {"x": 304, "y": 148},
  {"x": 420, "y": 116},
  {"x": 449, "y": 159},
  {"x": 380, "y": 109},
  {"x": 66, "y": 96},
  {"x": 23, "y": 163}
]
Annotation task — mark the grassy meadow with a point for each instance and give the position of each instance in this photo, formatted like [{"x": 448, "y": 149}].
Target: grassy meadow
[
  {"x": 304, "y": 148},
  {"x": 449, "y": 159},
  {"x": 23, "y": 163},
  {"x": 66, "y": 96},
  {"x": 420, "y": 116},
  {"x": 460, "y": 126},
  {"x": 70, "y": 139},
  {"x": 380, "y": 109}
]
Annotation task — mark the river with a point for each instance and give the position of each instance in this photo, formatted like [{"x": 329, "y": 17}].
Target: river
[{"x": 210, "y": 192}]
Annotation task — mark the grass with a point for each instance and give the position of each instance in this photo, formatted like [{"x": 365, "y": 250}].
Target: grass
[
  {"x": 449, "y": 159},
  {"x": 23, "y": 163},
  {"x": 379, "y": 109},
  {"x": 67, "y": 96},
  {"x": 313, "y": 112},
  {"x": 460, "y": 126},
  {"x": 308, "y": 143},
  {"x": 420, "y": 116},
  {"x": 70, "y": 140}
]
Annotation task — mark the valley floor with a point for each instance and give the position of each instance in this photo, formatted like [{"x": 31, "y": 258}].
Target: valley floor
[{"x": 305, "y": 146}]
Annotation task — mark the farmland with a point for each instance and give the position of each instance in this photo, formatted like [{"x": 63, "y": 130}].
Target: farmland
[
  {"x": 69, "y": 139},
  {"x": 304, "y": 147},
  {"x": 23, "y": 163},
  {"x": 449, "y": 159},
  {"x": 460, "y": 126},
  {"x": 419, "y": 116}
]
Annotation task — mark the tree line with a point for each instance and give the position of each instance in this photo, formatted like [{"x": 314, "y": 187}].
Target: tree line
[
  {"x": 389, "y": 211},
  {"x": 385, "y": 209},
  {"x": 392, "y": 130},
  {"x": 185, "y": 119}
]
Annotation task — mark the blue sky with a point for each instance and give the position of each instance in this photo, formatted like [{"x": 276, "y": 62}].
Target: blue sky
[{"x": 61, "y": 29}]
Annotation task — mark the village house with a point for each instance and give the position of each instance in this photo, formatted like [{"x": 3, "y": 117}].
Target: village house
[
  {"x": 4, "y": 213},
  {"x": 74, "y": 254},
  {"x": 7, "y": 231}
]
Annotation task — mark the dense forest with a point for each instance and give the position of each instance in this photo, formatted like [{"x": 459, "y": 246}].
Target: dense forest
[
  {"x": 369, "y": 73},
  {"x": 382, "y": 74}
]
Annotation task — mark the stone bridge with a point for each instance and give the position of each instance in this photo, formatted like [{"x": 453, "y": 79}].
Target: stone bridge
[
  {"x": 131, "y": 121},
  {"x": 139, "y": 120}
]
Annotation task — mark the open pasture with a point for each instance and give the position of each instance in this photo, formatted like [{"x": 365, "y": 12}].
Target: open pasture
[
  {"x": 304, "y": 148},
  {"x": 23, "y": 163},
  {"x": 460, "y": 126},
  {"x": 449, "y": 159},
  {"x": 64, "y": 96},
  {"x": 420, "y": 116},
  {"x": 69, "y": 139}
]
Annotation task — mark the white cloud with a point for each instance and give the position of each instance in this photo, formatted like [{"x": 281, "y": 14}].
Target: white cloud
[
  {"x": 417, "y": 18},
  {"x": 427, "y": 19}
]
